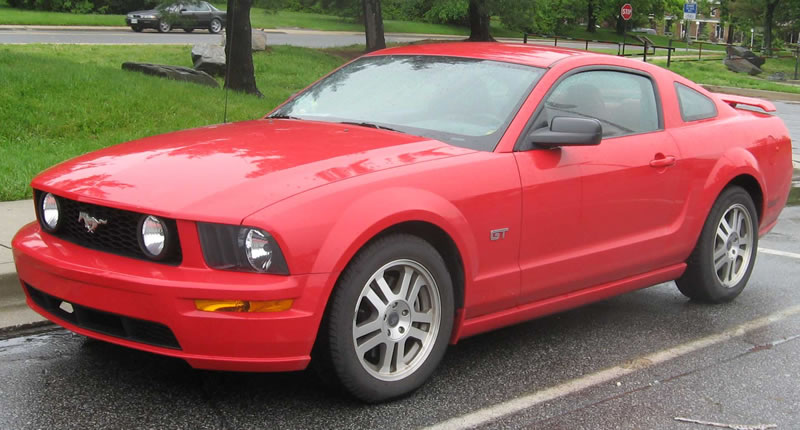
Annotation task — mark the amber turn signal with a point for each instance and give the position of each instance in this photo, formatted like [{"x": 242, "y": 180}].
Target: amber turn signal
[{"x": 243, "y": 305}]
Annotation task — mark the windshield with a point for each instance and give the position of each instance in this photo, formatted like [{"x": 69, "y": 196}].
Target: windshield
[{"x": 464, "y": 102}]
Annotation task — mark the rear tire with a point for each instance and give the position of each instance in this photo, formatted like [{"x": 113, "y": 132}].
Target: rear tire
[
  {"x": 389, "y": 320},
  {"x": 215, "y": 26},
  {"x": 720, "y": 265}
]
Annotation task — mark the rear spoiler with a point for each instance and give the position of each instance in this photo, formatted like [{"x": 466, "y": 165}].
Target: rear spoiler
[{"x": 747, "y": 101}]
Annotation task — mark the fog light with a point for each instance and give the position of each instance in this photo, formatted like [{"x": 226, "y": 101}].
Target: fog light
[{"x": 243, "y": 305}]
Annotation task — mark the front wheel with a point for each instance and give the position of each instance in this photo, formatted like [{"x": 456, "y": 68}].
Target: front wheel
[
  {"x": 390, "y": 318},
  {"x": 215, "y": 26},
  {"x": 723, "y": 259},
  {"x": 164, "y": 27},
  {"x": 136, "y": 28}
]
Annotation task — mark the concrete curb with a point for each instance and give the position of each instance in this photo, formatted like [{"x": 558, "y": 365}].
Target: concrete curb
[{"x": 750, "y": 92}]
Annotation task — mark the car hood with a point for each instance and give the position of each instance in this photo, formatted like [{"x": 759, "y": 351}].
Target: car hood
[{"x": 223, "y": 173}]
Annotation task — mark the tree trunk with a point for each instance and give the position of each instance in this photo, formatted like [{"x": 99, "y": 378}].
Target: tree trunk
[
  {"x": 591, "y": 20},
  {"x": 373, "y": 25},
  {"x": 769, "y": 17},
  {"x": 620, "y": 25},
  {"x": 479, "y": 22},
  {"x": 240, "y": 75},
  {"x": 729, "y": 41}
]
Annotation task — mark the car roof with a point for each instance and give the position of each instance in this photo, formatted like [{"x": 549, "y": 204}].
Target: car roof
[{"x": 527, "y": 54}]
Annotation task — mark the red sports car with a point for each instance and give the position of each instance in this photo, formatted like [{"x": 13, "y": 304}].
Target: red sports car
[{"x": 416, "y": 196}]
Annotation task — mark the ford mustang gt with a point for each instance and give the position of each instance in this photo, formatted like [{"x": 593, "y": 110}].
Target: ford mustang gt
[{"x": 414, "y": 197}]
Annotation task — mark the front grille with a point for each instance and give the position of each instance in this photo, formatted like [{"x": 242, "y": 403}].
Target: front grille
[
  {"x": 119, "y": 236},
  {"x": 115, "y": 325}
]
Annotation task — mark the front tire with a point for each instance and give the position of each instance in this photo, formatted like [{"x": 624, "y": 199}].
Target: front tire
[
  {"x": 136, "y": 28},
  {"x": 390, "y": 318},
  {"x": 723, "y": 259},
  {"x": 164, "y": 27}
]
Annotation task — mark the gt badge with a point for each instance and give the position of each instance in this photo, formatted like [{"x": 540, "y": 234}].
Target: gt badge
[
  {"x": 498, "y": 234},
  {"x": 91, "y": 223}
]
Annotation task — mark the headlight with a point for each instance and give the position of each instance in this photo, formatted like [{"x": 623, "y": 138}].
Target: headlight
[
  {"x": 49, "y": 212},
  {"x": 149, "y": 16},
  {"x": 233, "y": 247},
  {"x": 153, "y": 237}
]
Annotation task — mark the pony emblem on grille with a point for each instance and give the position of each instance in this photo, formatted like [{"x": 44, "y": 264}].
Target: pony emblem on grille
[{"x": 91, "y": 223}]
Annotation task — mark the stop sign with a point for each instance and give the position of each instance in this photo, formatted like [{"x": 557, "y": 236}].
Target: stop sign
[{"x": 626, "y": 12}]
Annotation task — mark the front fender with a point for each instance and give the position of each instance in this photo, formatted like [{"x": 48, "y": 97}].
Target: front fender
[{"x": 376, "y": 211}]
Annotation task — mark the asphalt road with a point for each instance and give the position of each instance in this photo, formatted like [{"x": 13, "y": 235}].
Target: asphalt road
[
  {"x": 311, "y": 39},
  {"x": 61, "y": 380}
]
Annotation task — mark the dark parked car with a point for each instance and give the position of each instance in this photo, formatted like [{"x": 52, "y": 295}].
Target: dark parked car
[{"x": 177, "y": 15}]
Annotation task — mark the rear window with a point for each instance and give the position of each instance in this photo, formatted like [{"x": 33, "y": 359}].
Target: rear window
[{"x": 694, "y": 106}]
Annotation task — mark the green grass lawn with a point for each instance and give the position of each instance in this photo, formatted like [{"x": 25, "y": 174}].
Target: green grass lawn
[
  {"x": 715, "y": 73},
  {"x": 10, "y": 15},
  {"x": 60, "y": 101}
]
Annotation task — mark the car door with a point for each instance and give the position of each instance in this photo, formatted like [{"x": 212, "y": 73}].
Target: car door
[
  {"x": 203, "y": 15},
  {"x": 595, "y": 214}
]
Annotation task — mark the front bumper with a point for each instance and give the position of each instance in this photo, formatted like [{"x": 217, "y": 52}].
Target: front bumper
[
  {"x": 123, "y": 289},
  {"x": 142, "y": 22}
]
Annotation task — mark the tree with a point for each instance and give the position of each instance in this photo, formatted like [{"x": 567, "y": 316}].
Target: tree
[
  {"x": 240, "y": 74},
  {"x": 591, "y": 19},
  {"x": 373, "y": 25},
  {"x": 479, "y": 21},
  {"x": 769, "y": 19}
]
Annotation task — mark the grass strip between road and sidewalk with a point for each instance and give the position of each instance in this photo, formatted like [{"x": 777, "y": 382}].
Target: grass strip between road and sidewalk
[{"x": 61, "y": 101}]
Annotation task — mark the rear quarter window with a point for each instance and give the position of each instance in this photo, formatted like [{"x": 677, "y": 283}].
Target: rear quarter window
[{"x": 694, "y": 106}]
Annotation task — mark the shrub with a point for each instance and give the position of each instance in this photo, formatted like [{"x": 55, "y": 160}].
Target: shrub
[{"x": 84, "y": 6}]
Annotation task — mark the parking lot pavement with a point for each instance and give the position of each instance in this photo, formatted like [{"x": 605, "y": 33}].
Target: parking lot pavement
[{"x": 635, "y": 361}]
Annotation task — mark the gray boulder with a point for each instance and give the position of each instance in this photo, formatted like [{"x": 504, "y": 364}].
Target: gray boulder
[
  {"x": 258, "y": 41},
  {"x": 741, "y": 65},
  {"x": 209, "y": 58},
  {"x": 176, "y": 73},
  {"x": 777, "y": 77},
  {"x": 741, "y": 52}
]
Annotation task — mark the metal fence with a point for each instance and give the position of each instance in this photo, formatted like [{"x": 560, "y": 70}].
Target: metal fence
[{"x": 673, "y": 53}]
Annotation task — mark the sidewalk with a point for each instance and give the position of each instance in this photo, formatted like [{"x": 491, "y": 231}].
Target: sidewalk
[{"x": 14, "y": 313}]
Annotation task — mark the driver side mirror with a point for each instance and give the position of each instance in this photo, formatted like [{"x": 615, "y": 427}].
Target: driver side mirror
[{"x": 567, "y": 131}]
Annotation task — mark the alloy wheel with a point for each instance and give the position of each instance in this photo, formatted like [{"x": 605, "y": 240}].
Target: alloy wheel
[
  {"x": 733, "y": 244},
  {"x": 396, "y": 320}
]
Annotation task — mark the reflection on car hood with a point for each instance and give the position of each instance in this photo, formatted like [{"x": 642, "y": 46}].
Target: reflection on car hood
[{"x": 223, "y": 173}]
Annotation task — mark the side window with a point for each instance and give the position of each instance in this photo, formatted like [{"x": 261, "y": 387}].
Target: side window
[
  {"x": 694, "y": 106},
  {"x": 624, "y": 103}
]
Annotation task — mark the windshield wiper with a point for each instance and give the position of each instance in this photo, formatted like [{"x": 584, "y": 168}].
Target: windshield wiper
[
  {"x": 283, "y": 117},
  {"x": 371, "y": 125}
]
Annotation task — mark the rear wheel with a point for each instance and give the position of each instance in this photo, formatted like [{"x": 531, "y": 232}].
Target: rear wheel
[
  {"x": 215, "y": 26},
  {"x": 164, "y": 27},
  {"x": 721, "y": 263},
  {"x": 390, "y": 318}
]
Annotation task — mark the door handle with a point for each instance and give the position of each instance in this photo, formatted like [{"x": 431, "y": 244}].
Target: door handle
[{"x": 664, "y": 161}]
